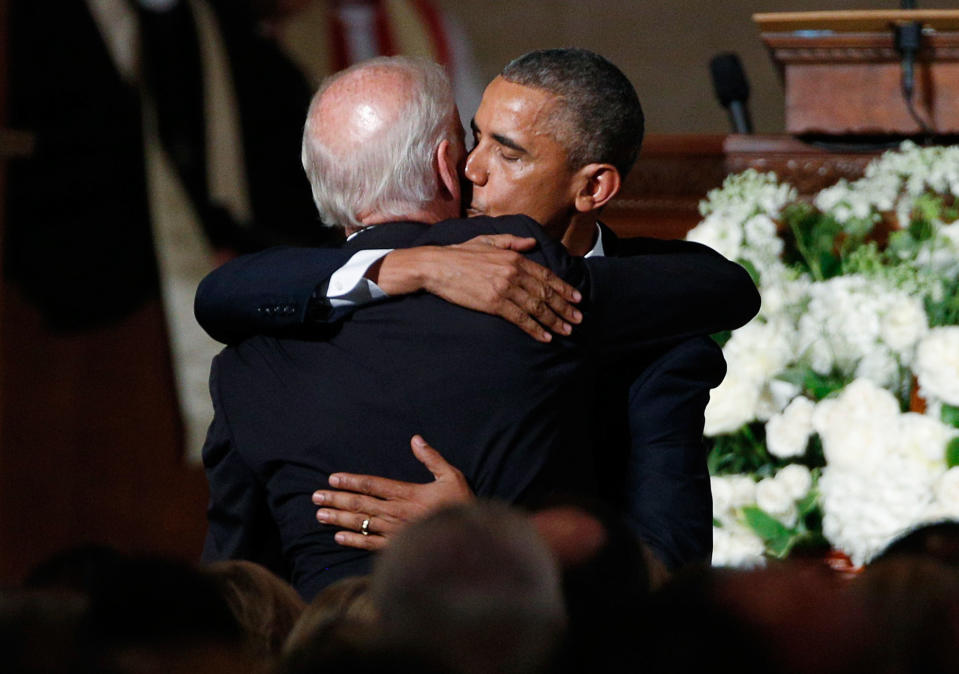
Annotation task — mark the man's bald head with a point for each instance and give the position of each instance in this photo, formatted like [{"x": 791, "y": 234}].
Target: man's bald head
[{"x": 370, "y": 139}]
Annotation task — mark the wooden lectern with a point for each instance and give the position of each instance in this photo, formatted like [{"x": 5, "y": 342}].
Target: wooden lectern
[
  {"x": 842, "y": 78},
  {"x": 842, "y": 73}
]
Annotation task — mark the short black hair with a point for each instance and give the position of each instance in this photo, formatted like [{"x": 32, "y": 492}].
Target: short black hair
[{"x": 599, "y": 106}]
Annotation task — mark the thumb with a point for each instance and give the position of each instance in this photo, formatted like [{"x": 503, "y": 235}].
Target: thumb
[{"x": 429, "y": 457}]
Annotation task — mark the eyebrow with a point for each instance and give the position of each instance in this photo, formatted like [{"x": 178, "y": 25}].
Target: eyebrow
[{"x": 502, "y": 140}]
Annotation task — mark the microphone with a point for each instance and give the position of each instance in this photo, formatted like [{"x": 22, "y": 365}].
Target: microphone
[
  {"x": 908, "y": 40},
  {"x": 732, "y": 89}
]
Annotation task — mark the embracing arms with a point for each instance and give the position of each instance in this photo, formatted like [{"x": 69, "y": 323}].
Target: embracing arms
[{"x": 280, "y": 290}]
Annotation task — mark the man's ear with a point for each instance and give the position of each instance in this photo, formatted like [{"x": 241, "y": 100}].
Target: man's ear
[
  {"x": 598, "y": 185},
  {"x": 446, "y": 169}
]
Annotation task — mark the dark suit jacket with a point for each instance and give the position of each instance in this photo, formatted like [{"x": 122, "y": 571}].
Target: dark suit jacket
[
  {"x": 507, "y": 410},
  {"x": 648, "y": 426}
]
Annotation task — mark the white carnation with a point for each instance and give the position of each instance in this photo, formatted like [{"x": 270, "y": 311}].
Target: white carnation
[
  {"x": 857, "y": 426},
  {"x": 864, "y": 510},
  {"x": 732, "y": 404},
  {"x": 774, "y": 498},
  {"x": 760, "y": 349},
  {"x": 937, "y": 364},
  {"x": 737, "y": 546},
  {"x": 774, "y": 396},
  {"x": 903, "y": 322},
  {"x": 879, "y": 366},
  {"x": 723, "y": 235},
  {"x": 722, "y": 493},
  {"x": 923, "y": 439},
  {"x": 743, "y": 490},
  {"x": 947, "y": 493},
  {"x": 796, "y": 479},
  {"x": 787, "y": 434}
]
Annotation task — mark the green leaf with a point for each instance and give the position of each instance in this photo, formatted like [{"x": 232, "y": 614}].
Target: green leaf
[
  {"x": 722, "y": 337},
  {"x": 950, "y": 415},
  {"x": 775, "y": 535},
  {"x": 765, "y": 525},
  {"x": 821, "y": 385},
  {"x": 808, "y": 503},
  {"x": 750, "y": 269},
  {"x": 952, "y": 453}
]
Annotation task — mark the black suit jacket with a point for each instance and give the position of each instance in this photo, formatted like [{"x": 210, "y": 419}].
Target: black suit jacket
[
  {"x": 648, "y": 415},
  {"x": 510, "y": 412}
]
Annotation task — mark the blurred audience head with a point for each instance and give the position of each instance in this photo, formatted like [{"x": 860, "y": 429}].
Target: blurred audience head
[
  {"x": 935, "y": 540},
  {"x": 340, "y": 620},
  {"x": 473, "y": 585},
  {"x": 371, "y": 139},
  {"x": 605, "y": 582},
  {"x": 266, "y": 606},
  {"x": 599, "y": 118},
  {"x": 912, "y": 603},
  {"x": 40, "y": 631}
]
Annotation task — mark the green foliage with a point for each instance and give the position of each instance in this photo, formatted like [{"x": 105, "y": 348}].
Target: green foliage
[
  {"x": 750, "y": 269},
  {"x": 927, "y": 208},
  {"x": 722, "y": 337},
  {"x": 952, "y": 453},
  {"x": 773, "y": 533},
  {"x": 814, "y": 235},
  {"x": 779, "y": 539},
  {"x": 816, "y": 386},
  {"x": 741, "y": 452},
  {"x": 950, "y": 415},
  {"x": 945, "y": 310}
]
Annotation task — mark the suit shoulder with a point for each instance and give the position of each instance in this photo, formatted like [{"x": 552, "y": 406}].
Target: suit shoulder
[{"x": 644, "y": 245}]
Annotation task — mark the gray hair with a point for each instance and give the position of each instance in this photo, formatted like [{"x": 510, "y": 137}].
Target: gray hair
[
  {"x": 466, "y": 576},
  {"x": 599, "y": 118},
  {"x": 394, "y": 174}
]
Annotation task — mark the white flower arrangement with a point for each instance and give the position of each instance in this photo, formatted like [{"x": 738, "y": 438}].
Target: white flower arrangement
[{"x": 813, "y": 440}]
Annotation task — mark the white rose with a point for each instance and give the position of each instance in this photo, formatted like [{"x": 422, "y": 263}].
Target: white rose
[
  {"x": 904, "y": 323},
  {"x": 743, "y": 490},
  {"x": 725, "y": 236},
  {"x": 722, "y": 493},
  {"x": 737, "y": 546},
  {"x": 879, "y": 366},
  {"x": 774, "y": 396},
  {"x": 796, "y": 480},
  {"x": 923, "y": 438},
  {"x": 857, "y": 427},
  {"x": 937, "y": 364},
  {"x": 947, "y": 493},
  {"x": 773, "y": 497},
  {"x": 787, "y": 434},
  {"x": 732, "y": 404},
  {"x": 759, "y": 349}
]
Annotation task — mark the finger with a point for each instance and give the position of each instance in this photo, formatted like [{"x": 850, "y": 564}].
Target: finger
[
  {"x": 354, "y": 521},
  {"x": 505, "y": 241},
  {"x": 353, "y": 540},
  {"x": 545, "y": 278},
  {"x": 380, "y": 487},
  {"x": 540, "y": 310},
  {"x": 430, "y": 458},
  {"x": 518, "y": 316},
  {"x": 349, "y": 502}
]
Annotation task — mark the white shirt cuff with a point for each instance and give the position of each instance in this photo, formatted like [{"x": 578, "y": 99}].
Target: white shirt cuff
[{"x": 347, "y": 286}]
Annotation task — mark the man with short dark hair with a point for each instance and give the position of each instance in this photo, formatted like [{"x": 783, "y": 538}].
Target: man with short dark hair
[{"x": 525, "y": 161}]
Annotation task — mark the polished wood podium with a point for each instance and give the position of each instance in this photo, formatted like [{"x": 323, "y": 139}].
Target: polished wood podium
[
  {"x": 842, "y": 73},
  {"x": 660, "y": 198}
]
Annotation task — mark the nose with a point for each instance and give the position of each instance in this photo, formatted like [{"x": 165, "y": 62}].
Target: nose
[{"x": 476, "y": 171}]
